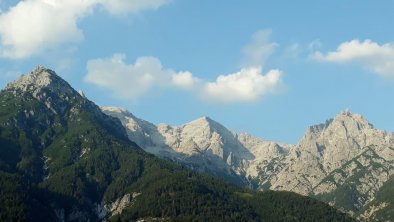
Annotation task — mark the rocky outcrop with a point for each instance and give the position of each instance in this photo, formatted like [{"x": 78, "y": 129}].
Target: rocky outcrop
[{"x": 116, "y": 207}]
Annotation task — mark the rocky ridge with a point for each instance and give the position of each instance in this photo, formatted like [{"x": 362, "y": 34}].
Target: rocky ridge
[
  {"x": 344, "y": 150},
  {"x": 204, "y": 143}
]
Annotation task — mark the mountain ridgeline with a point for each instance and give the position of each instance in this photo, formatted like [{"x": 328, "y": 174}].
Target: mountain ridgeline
[
  {"x": 63, "y": 159},
  {"x": 345, "y": 162}
]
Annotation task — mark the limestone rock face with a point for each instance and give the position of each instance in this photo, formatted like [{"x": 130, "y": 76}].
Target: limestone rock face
[
  {"x": 203, "y": 143},
  {"x": 344, "y": 161},
  {"x": 205, "y": 137},
  {"x": 121, "y": 203},
  {"x": 330, "y": 146},
  {"x": 116, "y": 207},
  {"x": 138, "y": 131}
]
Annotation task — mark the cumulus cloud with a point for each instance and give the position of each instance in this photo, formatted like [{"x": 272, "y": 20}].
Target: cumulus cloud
[
  {"x": 259, "y": 49},
  {"x": 368, "y": 54},
  {"x": 185, "y": 80},
  {"x": 32, "y": 26},
  {"x": 130, "y": 81},
  {"x": 127, "y": 81},
  {"x": 247, "y": 85}
]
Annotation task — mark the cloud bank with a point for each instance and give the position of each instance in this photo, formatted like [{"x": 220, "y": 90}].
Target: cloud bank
[
  {"x": 370, "y": 55},
  {"x": 33, "y": 26},
  {"x": 131, "y": 81}
]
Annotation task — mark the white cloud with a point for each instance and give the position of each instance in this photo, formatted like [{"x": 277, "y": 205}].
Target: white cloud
[
  {"x": 131, "y": 81},
  {"x": 259, "y": 49},
  {"x": 250, "y": 84},
  {"x": 127, "y": 81},
  {"x": 130, "y": 6},
  {"x": 247, "y": 85},
  {"x": 185, "y": 80},
  {"x": 33, "y": 26},
  {"x": 368, "y": 54}
]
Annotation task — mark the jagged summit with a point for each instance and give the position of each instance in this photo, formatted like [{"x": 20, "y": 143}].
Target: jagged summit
[
  {"x": 38, "y": 79},
  {"x": 345, "y": 119},
  {"x": 326, "y": 147},
  {"x": 348, "y": 117},
  {"x": 347, "y": 114},
  {"x": 206, "y": 122}
]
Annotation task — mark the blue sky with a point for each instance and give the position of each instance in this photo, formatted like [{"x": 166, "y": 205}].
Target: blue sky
[{"x": 269, "y": 68}]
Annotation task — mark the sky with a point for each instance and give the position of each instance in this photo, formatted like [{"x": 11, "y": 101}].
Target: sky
[{"x": 267, "y": 68}]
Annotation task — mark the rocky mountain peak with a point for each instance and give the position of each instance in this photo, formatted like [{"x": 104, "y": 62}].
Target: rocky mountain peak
[
  {"x": 344, "y": 121},
  {"x": 329, "y": 145},
  {"x": 205, "y": 128},
  {"x": 349, "y": 119},
  {"x": 204, "y": 120},
  {"x": 38, "y": 79},
  {"x": 207, "y": 124}
]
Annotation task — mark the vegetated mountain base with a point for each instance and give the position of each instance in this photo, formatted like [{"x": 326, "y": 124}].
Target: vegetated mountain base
[{"x": 62, "y": 159}]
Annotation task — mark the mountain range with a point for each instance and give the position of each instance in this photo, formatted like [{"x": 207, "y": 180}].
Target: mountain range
[
  {"x": 63, "y": 159},
  {"x": 345, "y": 162}
]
